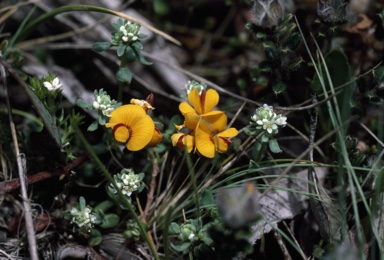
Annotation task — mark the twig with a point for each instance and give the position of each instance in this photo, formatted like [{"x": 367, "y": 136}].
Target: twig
[
  {"x": 294, "y": 240},
  {"x": 21, "y": 165},
  {"x": 283, "y": 248},
  {"x": 14, "y": 184},
  {"x": 152, "y": 188}
]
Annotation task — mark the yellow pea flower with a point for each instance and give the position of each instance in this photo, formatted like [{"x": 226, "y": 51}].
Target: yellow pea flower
[
  {"x": 212, "y": 137},
  {"x": 201, "y": 104},
  {"x": 203, "y": 130},
  {"x": 131, "y": 125}
]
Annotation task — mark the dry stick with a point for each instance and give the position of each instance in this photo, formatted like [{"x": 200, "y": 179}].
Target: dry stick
[
  {"x": 14, "y": 184},
  {"x": 283, "y": 248},
  {"x": 21, "y": 165},
  {"x": 152, "y": 188},
  {"x": 295, "y": 240}
]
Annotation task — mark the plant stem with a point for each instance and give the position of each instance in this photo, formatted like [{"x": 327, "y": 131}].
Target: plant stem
[
  {"x": 152, "y": 186},
  {"x": 120, "y": 194},
  {"x": 123, "y": 63},
  {"x": 193, "y": 178},
  {"x": 261, "y": 152}
]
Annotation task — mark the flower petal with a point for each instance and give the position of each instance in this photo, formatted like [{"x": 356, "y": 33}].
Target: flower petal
[
  {"x": 230, "y": 132},
  {"x": 214, "y": 123},
  {"x": 183, "y": 140},
  {"x": 141, "y": 132},
  {"x": 185, "y": 108},
  {"x": 175, "y": 138},
  {"x": 194, "y": 99},
  {"x": 221, "y": 143},
  {"x": 121, "y": 133},
  {"x": 156, "y": 138},
  {"x": 205, "y": 144},
  {"x": 127, "y": 115},
  {"x": 211, "y": 100}
]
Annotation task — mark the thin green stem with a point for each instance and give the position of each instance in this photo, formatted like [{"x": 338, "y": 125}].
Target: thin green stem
[
  {"x": 123, "y": 63},
  {"x": 120, "y": 194},
  {"x": 195, "y": 189},
  {"x": 261, "y": 152}
]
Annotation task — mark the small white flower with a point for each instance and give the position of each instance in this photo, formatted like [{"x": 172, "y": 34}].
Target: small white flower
[
  {"x": 54, "y": 85},
  {"x": 125, "y": 38},
  {"x": 191, "y": 236},
  {"x": 83, "y": 219},
  {"x": 95, "y": 105},
  {"x": 281, "y": 120},
  {"x": 108, "y": 111},
  {"x": 127, "y": 181}
]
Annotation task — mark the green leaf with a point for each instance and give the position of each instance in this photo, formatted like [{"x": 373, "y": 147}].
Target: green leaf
[
  {"x": 161, "y": 7},
  {"x": 137, "y": 47},
  {"x": 180, "y": 248},
  {"x": 340, "y": 75},
  {"x": 82, "y": 203},
  {"x": 48, "y": 121},
  {"x": 143, "y": 60},
  {"x": 130, "y": 55},
  {"x": 279, "y": 88},
  {"x": 121, "y": 49},
  {"x": 124, "y": 75},
  {"x": 174, "y": 228},
  {"x": 110, "y": 221},
  {"x": 81, "y": 103},
  {"x": 274, "y": 146},
  {"x": 95, "y": 238},
  {"x": 101, "y": 46},
  {"x": 378, "y": 75},
  {"x": 104, "y": 205},
  {"x": 93, "y": 126},
  {"x": 102, "y": 120},
  {"x": 118, "y": 24},
  {"x": 207, "y": 198}
]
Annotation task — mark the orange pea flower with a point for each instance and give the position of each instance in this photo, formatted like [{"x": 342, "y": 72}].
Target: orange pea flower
[
  {"x": 133, "y": 126},
  {"x": 203, "y": 130},
  {"x": 212, "y": 137}
]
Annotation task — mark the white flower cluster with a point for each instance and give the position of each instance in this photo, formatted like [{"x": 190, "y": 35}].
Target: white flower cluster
[
  {"x": 104, "y": 103},
  {"x": 54, "y": 85},
  {"x": 127, "y": 181},
  {"x": 130, "y": 32},
  {"x": 84, "y": 219},
  {"x": 192, "y": 84},
  {"x": 267, "y": 120}
]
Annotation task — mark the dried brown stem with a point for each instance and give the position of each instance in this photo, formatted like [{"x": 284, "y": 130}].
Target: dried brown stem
[{"x": 13, "y": 185}]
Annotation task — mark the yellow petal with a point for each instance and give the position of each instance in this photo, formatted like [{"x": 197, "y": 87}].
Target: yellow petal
[
  {"x": 183, "y": 141},
  {"x": 156, "y": 138},
  {"x": 221, "y": 144},
  {"x": 127, "y": 115},
  {"x": 191, "y": 120},
  {"x": 195, "y": 101},
  {"x": 185, "y": 108},
  {"x": 141, "y": 132},
  {"x": 121, "y": 133},
  {"x": 213, "y": 123},
  {"x": 210, "y": 100},
  {"x": 175, "y": 138},
  {"x": 230, "y": 132},
  {"x": 205, "y": 144}
]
